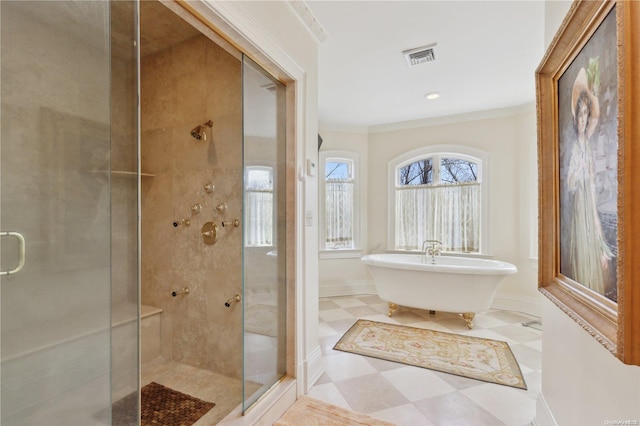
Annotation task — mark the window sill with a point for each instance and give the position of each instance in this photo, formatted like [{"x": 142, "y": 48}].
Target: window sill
[{"x": 340, "y": 254}]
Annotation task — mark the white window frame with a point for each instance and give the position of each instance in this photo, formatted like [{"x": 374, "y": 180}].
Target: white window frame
[
  {"x": 272, "y": 170},
  {"x": 354, "y": 158},
  {"x": 480, "y": 157}
]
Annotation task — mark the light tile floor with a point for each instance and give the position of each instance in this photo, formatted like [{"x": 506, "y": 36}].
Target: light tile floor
[
  {"x": 408, "y": 395},
  {"x": 225, "y": 392}
]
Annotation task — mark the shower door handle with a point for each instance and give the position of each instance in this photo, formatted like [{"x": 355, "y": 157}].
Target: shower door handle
[{"x": 22, "y": 252}]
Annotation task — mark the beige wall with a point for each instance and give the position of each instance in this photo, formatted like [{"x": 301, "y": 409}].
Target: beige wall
[
  {"x": 582, "y": 383},
  {"x": 183, "y": 86},
  {"x": 508, "y": 137},
  {"x": 503, "y": 138},
  {"x": 347, "y": 275}
]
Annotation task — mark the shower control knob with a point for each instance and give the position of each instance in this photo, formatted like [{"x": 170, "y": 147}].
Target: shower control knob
[
  {"x": 209, "y": 232},
  {"x": 183, "y": 290},
  {"x": 237, "y": 298}
]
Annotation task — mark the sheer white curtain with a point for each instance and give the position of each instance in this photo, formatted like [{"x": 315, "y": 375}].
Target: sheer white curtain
[
  {"x": 259, "y": 211},
  {"x": 448, "y": 213},
  {"x": 339, "y": 214}
]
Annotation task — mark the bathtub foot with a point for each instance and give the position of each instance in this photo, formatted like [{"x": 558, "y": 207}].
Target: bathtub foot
[
  {"x": 468, "y": 317},
  {"x": 392, "y": 308}
]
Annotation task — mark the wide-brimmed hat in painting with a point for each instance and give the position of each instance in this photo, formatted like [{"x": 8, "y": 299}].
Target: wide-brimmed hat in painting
[{"x": 582, "y": 85}]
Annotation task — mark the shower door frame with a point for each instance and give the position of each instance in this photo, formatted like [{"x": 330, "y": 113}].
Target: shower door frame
[{"x": 213, "y": 19}]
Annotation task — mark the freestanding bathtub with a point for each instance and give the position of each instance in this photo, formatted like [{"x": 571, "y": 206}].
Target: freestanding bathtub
[{"x": 451, "y": 284}]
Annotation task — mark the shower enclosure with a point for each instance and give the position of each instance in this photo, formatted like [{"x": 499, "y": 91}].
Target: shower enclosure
[
  {"x": 81, "y": 172},
  {"x": 68, "y": 170}
]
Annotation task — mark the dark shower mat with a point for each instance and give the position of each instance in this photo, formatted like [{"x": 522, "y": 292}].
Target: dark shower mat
[{"x": 165, "y": 406}]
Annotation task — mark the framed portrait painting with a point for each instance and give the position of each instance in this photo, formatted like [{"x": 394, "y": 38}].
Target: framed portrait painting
[{"x": 589, "y": 177}]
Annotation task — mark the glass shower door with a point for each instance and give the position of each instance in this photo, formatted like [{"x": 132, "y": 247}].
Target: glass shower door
[
  {"x": 264, "y": 232},
  {"x": 68, "y": 248}
]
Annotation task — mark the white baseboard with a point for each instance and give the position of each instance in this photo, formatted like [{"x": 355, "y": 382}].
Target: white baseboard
[
  {"x": 514, "y": 302},
  {"x": 314, "y": 367},
  {"x": 507, "y": 301},
  {"x": 346, "y": 288},
  {"x": 544, "y": 416}
]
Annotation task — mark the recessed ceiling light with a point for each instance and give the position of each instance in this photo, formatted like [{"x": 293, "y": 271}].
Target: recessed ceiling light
[{"x": 432, "y": 95}]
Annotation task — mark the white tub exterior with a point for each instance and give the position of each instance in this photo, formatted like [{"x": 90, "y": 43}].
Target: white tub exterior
[{"x": 452, "y": 284}]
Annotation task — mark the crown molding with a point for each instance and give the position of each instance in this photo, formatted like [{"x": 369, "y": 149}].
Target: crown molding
[
  {"x": 458, "y": 118},
  {"x": 326, "y": 127},
  {"x": 427, "y": 122},
  {"x": 309, "y": 19}
]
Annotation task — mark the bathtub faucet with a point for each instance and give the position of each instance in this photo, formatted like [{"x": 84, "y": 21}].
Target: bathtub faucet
[{"x": 431, "y": 248}]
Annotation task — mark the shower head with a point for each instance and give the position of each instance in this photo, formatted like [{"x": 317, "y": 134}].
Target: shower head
[{"x": 199, "y": 133}]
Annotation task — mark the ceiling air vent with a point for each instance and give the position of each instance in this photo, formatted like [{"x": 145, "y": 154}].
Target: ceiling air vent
[{"x": 419, "y": 55}]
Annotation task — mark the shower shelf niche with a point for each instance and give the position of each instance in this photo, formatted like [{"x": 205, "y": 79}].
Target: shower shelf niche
[{"x": 124, "y": 173}]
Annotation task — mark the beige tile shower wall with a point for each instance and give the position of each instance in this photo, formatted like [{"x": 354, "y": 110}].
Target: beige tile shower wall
[{"x": 184, "y": 86}]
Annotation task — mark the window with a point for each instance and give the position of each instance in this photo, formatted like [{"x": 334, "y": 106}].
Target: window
[
  {"x": 438, "y": 195},
  {"x": 338, "y": 201},
  {"x": 338, "y": 204},
  {"x": 258, "y": 206}
]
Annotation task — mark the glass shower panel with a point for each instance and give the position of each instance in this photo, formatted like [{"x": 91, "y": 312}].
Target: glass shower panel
[
  {"x": 264, "y": 232},
  {"x": 125, "y": 187},
  {"x": 64, "y": 125}
]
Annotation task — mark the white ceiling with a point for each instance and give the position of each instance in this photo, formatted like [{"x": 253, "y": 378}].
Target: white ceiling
[{"x": 486, "y": 56}]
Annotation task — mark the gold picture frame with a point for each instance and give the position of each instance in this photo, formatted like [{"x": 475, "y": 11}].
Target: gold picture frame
[{"x": 589, "y": 172}]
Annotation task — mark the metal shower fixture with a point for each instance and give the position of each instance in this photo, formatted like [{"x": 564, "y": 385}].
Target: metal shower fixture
[{"x": 199, "y": 133}]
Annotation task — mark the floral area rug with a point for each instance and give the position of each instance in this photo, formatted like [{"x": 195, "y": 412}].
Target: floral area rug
[
  {"x": 473, "y": 357},
  {"x": 311, "y": 412}
]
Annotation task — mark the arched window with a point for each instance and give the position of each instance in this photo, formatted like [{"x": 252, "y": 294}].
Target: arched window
[{"x": 438, "y": 193}]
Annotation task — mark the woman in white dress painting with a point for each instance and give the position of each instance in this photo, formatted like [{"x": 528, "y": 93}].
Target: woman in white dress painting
[{"x": 589, "y": 254}]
